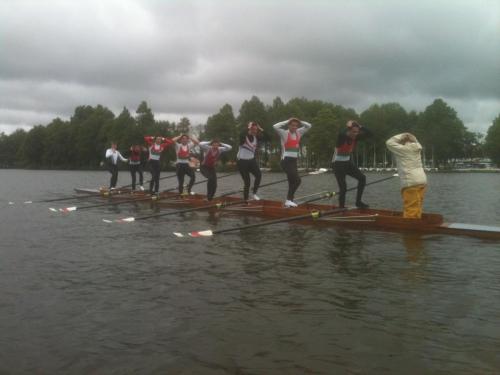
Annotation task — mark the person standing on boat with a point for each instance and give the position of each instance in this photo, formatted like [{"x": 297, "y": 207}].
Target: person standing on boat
[
  {"x": 212, "y": 150},
  {"x": 247, "y": 163},
  {"x": 183, "y": 149},
  {"x": 407, "y": 151},
  {"x": 112, "y": 157},
  {"x": 343, "y": 165},
  {"x": 290, "y": 147},
  {"x": 156, "y": 147},
  {"x": 135, "y": 164}
]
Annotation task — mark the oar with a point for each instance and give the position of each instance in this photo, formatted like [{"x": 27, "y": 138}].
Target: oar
[
  {"x": 90, "y": 195},
  {"x": 331, "y": 194},
  {"x": 132, "y": 200},
  {"x": 310, "y": 215},
  {"x": 218, "y": 205},
  {"x": 154, "y": 198},
  {"x": 313, "y": 173},
  {"x": 310, "y": 195},
  {"x": 147, "y": 182}
]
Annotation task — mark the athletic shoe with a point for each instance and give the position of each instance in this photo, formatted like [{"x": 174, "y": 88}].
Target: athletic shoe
[
  {"x": 192, "y": 193},
  {"x": 141, "y": 188},
  {"x": 361, "y": 205},
  {"x": 255, "y": 197},
  {"x": 289, "y": 204}
]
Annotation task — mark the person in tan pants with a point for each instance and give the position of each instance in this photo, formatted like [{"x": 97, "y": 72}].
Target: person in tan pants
[{"x": 407, "y": 151}]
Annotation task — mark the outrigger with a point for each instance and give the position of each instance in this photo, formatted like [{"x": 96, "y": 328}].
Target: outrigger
[{"x": 305, "y": 213}]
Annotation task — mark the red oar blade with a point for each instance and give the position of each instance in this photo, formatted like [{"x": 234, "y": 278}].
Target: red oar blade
[
  {"x": 68, "y": 209},
  {"x": 202, "y": 233}
]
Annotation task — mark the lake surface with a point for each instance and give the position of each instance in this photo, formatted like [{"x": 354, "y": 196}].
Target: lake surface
[{"x": 79, "y": 296}]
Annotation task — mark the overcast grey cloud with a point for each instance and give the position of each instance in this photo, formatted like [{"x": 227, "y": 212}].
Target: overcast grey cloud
[{"x": 188, "y": 58}]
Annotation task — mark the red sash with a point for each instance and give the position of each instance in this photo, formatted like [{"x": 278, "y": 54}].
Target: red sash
[
  {"x": 183, "y": 152},
  {"x": 211, "y": 157}
]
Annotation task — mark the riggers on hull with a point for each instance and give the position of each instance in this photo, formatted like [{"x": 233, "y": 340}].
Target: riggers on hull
[{"x": 373, "y": 219}]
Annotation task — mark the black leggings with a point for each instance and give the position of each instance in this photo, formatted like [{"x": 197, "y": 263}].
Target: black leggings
[
  {"x": 113, "y": 169},
  {"x": 341, "y": 169},
  {"x": 184, "y": 169},
  {"x": 154, "y": 184},
  {"x": 246, "y": 167},
  {"x": 136, "y": 169},
  {"x": 211, "y": 175},
  {"x": 289, "y": 165}
]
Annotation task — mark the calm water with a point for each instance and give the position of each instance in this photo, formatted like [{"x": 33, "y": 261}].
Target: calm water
[{"x": 81, "y": 296}]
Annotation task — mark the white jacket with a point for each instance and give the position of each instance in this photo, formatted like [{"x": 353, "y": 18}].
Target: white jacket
[{"x": 409, "y": 161}]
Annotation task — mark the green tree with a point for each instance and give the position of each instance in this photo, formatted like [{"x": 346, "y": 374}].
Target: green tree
[
  {"x": 223, "y": 127},
  {"x": 441, "y": 132},
  {"x": 184, "y": 126},
  {"x": 252, "y": 110},
  {"x": 384, "y": 121},
  {"x": 89, "y": 147},
  {"x": 31, "y": 151},
  {"x": 146, "y": 119},
  {"x": 492, "y": 142},
  {"x": 9, "y": 148},
  {"x": 320, "y": 143},
  {"x": 59, "y": 143}
]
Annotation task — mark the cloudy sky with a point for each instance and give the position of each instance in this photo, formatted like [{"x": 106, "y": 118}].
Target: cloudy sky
[{"x": 188, "y": 58}]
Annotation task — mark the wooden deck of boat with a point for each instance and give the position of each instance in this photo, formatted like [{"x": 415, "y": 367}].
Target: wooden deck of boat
[{"x": 376, "y": 219}]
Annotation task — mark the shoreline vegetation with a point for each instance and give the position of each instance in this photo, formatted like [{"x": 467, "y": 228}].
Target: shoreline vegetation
[{"x": 80, "y": 142}]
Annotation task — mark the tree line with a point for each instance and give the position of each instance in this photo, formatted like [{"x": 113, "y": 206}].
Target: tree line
[{"x": 80, "y": 142}]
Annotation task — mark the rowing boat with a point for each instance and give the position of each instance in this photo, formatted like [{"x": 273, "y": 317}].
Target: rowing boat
[{"x": 373, "y": 219}]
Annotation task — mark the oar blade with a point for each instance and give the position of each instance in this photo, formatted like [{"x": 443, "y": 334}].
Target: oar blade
[
  {"x": 107, "y": 221},
  {"x": 126, "y": 219},
  {"x": 68, "y": 209},
  {"x": 319, "y": 171},
  {"x": 201, "y": 233}
]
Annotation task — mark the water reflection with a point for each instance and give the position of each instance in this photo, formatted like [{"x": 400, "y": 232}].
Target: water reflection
[
  {"x": 347, "y": 254},
  {"x": 414, "y": 245}
]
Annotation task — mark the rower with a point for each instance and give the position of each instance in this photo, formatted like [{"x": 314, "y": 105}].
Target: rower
[
  {"x": 135, "y": 164},
  {"x": 156, "y": 147},
  {"x": 212, "y": 150},
  {"x": 407, "y": 150},
  {"x": 290, "y": 146},
  {"x": 343, "y": 165},
  {"x": 183, "y": 149},
  {"x": 247, "y": 163},
  {"x": 112, "y": 156}
]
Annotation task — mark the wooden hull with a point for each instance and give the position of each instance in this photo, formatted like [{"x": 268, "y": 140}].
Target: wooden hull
[{"x": 373, "y": 219}]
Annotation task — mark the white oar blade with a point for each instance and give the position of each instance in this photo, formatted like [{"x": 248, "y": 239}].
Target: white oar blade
[
  {"x": 203, "y": 233},
  {"x": 178, "y": 234},
  {"x": 319, "y": 171},
  {"x": 11, "y": 203},
  {"x": 126, "y": 220},
  {"x": 28, "y": 202},
  {"x": 53, "y": 209},
  {"x": 107, "y": 221}
]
